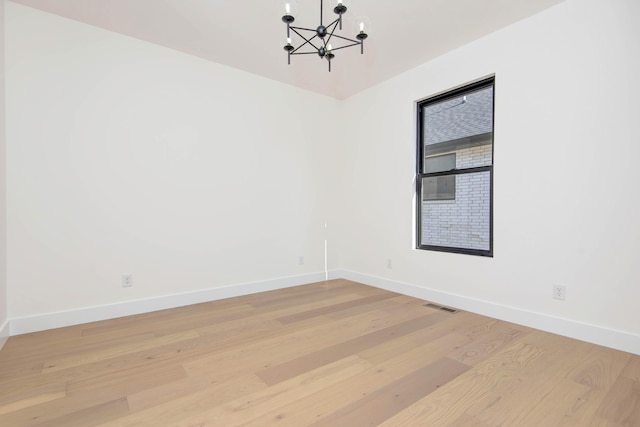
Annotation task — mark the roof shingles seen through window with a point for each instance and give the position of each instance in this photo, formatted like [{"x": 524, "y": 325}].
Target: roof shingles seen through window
[{"x": 459, "y": 117}]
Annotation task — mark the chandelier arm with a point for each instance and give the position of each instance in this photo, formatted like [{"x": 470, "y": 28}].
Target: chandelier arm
[
  {"x": 315, "y": 34},
  {"x": 295, "y": 51},
  {"x": 335, "y": 25},
  {"x": 346, "y": 38},
  {"x": 304, "y": 29},
  {"x": 344, "y": 47},
  {"x": 303, "y": 53},
  {"x": 306, "y": 41},
  {"x": 295, "y": 30}
]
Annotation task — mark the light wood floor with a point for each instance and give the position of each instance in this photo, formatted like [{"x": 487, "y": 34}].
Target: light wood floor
[{"x": 328, "y": 354}]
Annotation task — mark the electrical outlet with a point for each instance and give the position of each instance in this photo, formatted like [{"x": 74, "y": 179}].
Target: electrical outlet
[
  {"x": 560, "y": 292},
  {"x": 127, "y": 280},
  {"x": 389, "y": 264}
]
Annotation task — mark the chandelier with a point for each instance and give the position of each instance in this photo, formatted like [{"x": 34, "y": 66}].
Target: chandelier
[{"x": 318, "y": 40}]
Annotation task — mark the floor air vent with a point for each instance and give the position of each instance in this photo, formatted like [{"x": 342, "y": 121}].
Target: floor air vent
[{"x": 441, "y": 307}]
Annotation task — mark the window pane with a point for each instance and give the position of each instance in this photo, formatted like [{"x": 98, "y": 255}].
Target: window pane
[
  {"x": 439, "y": 188},
  {"x": 464, "y": 222},
  {"x": 464, "y": 125},
  {"x": 443, "y": 163}
]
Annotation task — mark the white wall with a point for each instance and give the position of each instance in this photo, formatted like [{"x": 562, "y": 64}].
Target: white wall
[
  {"x": 4, "y": 327},
  {"x": 126, "y": 157},
  {"x": 566, "y": 201}
]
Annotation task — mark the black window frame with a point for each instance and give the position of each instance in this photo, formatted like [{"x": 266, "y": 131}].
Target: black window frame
[{"x": 420, "y": 159}]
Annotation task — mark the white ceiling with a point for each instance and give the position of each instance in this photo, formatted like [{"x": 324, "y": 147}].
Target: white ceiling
[{"x": 249, "y": 34}]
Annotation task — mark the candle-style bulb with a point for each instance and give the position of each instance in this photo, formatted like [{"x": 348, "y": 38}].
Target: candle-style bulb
[
  {"x": 288, "y": 40},
  {"x": 361, "y": 26},
  {"x": 329, "y": 47},
  {"x": 339, "y": 2},
  {"x": 287, "y": 7}
]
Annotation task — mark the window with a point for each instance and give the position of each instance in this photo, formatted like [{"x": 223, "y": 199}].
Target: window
[{"x": 454, "y": 178}]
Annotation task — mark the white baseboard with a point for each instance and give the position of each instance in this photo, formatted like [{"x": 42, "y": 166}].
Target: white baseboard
[
  {"x": 41, "y": 322},
  {"x": 4, "y": 333},
  {"x": 621, "y": 340},
  {"x": 613, "y": 338}
]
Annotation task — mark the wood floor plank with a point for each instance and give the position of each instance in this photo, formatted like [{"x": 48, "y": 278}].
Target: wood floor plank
[
  {"x": 467, "y": 420},
  {"x": 167, "y": 323},
  {"x": 273, "y": 316},
  {"x": 52, "y": 412},
  {"x": 622, "y": 403},
  {"x": 30, "y": 386},
  {"x": 206, "y": 318},
  {"x": 537, "y": 380},
  {"x": 179, "y": 411},
  {"x": 450, "y": 402},
  {"x": 632, "y": 370},
  {"x": 479, "y": 350},
  {"x": 330, "y": 353},
  {"x": 385, "y": 402},
  {"x": 19, "y": 345},
  {"x": 95, "y": 392},
  {"x": 402, "y": 344},
  {"x": 577, "y": 395},
  {"x": 111, "y": 351},
  {"x": 599, "y": 422},
  {"x": 91, "y": 416},
  {"x": 254, "y": 406},
  {"x": 20, "y": 368},
  {"x": 173, "y": 353},
  {"x": 307, "y": 410},
  {"x": 18, "y": 405},
  {"x": 262, "y": 353},
  {"x": 601, "y": 367},
  {"x": 361, "y": 302},
  {"x": 127, "y": 381},
  {"x": 171, "y": 391},
  {"x": 274, "y": 374},
  {"x": 396, "y": 303}
]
